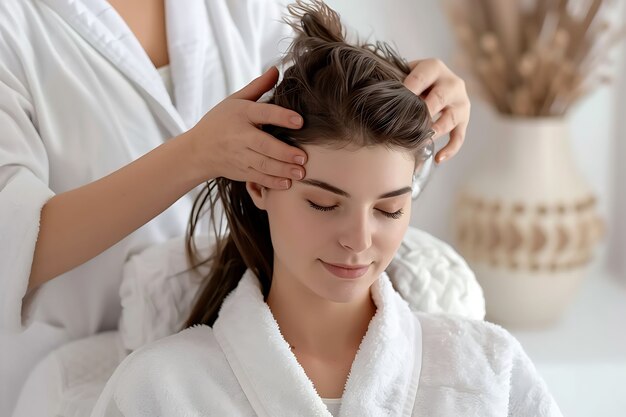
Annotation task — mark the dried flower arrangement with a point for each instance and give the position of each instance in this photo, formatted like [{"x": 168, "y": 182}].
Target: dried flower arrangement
[{"x": 534, "y": 58}]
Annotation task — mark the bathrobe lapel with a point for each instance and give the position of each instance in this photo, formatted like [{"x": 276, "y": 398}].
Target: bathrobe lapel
[
  {"x": 99, "y": 24},
  {"x": 383, "y": 379},
  {"x": 273, "y": 381}
]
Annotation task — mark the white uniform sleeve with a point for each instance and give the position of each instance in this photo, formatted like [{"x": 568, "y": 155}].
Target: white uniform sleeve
[
  {"x": 529, "y": 395},
  {"x": 23, "y": 191},
  {"x": 260, "y": 23}
]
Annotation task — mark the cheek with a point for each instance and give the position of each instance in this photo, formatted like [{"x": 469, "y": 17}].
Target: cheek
[
  {"x": 391, "y": 235},
  {"x": 391, "y": 238},
  {"x": 296, "y": 229}
]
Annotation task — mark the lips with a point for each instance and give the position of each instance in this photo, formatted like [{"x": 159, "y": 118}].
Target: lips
[{"x": 346, "y": 271}]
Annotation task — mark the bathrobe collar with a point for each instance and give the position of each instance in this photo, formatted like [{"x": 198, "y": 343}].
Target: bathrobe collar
[
  {"x": 384, "y": 375},
  {"x": 188, "y": 34}
]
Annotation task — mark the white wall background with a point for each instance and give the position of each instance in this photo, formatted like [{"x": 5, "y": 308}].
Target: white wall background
[
  {"x": 420, "y": 29},
  {"x": 617, "y": 245}
]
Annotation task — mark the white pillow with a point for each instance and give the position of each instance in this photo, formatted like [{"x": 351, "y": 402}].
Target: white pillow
[
  {"x": 158, "y": 289},
  {"x": 432, "y": 277}
]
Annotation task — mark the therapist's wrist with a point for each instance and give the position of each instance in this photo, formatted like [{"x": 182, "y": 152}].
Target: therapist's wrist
[{"x": 193, "y": 162}]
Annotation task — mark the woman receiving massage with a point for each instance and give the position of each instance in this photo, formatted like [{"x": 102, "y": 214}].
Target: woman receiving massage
[{"x": 297, "y": 316}]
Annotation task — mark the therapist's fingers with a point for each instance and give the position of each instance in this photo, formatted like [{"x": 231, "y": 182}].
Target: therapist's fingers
[
  {"x": 457, "y": 135},
  {"x": 268, "y": 181},
  {"x": 447, "y": 100},
  {"x": 271, "y": 114},
  {"x": 228, "y": 141},
  {"x": 272, "y": 157},
  {"x": 262, "y": 113},
  {"x": 448, "y": 122},
  {"x": 423, "y": 74},
  {"x": 446, "y": 94},
  {"x": 259, "y": 86}
]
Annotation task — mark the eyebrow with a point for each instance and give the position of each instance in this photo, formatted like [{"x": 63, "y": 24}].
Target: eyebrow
[{"x": 333, "y": 189}]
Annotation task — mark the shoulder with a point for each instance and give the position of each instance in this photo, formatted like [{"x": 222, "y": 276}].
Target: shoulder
[
  {"x": 189, "y": 361},
  {"x": 177, "y": 350},
  {"x": 456, "y": 341},
  {"x": 480, "y": 367},
  {"x": 182, "y": 356},
  {"x": 463, "y": 328}
]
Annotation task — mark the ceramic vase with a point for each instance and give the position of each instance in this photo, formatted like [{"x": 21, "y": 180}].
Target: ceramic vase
[{"x": 527, "y": 222}]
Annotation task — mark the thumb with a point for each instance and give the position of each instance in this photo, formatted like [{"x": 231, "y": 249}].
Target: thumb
[{"x": 258, "y": 86}]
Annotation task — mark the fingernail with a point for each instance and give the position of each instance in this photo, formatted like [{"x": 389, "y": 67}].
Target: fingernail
[
  {"x": 299, "y": 160},
  {"x": 297, "y": 173},
  {"x": 296, "y": 120},
  {"x": 284, "y": 183}
]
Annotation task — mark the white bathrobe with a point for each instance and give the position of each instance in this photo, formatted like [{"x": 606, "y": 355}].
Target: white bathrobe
[
  {"x": 408, "y": 364},
  {"x": 79, "y": 98}
]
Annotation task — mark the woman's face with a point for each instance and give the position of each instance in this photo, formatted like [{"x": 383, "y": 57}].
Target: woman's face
[{"x": 337, "y": 230}]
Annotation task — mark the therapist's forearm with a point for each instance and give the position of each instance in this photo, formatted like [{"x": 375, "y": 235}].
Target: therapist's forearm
[{"x": 78, "y": 225}]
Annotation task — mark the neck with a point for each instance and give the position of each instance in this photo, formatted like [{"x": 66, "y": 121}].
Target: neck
[{"x": 314, "y": 325}]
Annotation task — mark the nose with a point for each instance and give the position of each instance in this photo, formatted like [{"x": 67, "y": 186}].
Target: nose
[{"x": 356, "y": 236}]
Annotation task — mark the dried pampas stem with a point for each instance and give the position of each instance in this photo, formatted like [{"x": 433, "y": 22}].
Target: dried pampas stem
[{"x": 534, "y": 57}]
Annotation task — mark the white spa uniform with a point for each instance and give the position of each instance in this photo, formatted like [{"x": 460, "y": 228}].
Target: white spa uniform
[{"x": 79, "y": 99}]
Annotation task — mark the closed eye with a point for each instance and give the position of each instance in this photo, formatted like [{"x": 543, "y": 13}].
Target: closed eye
[
  {"x": 394, "y": 215},
  {"x": 321, "y": 208}
]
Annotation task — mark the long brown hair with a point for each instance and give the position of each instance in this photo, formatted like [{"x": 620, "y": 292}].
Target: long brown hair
[{"x": 347, "y": 94}]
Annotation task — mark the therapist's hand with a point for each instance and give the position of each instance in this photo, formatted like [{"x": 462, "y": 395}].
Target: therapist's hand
[
  {"x": 227, "y": 142},
  {"x": 446, "y": 96}
]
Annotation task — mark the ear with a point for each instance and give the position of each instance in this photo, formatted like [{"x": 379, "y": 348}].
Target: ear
[{"x": 258, "y": 193}]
